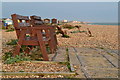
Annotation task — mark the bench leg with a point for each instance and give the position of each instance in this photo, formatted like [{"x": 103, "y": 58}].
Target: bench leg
[
  {"x": 54, "y": 39},
  {"x": 50, "y": 42},
  {"x": 17, "y": 50},
  {"x": 42, "y": 46},
  {"x": 28, "y": 49},
  {"x": 20, "y": 40}
]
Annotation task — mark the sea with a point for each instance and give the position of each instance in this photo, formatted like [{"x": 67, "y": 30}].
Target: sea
[{"x": 103, "y": 24}]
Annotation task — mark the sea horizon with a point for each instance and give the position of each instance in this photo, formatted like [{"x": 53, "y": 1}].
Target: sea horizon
[{"x": 107, "y": 23}]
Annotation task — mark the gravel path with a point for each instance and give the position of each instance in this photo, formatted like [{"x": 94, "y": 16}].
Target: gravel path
[{"x": 34, "y": 67}]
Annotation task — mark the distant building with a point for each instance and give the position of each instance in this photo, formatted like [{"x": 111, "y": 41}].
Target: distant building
[
  {"x": 74, "y": 22},
  {"x": 7, "y": 21},
  {"x": 64, "y": 21}
]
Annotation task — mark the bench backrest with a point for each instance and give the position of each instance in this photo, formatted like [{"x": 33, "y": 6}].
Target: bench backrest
[
  {"x": 20, "y": 21},
  {"x": 46, "y": 21},
  {"x": 54, "y": 21},
  {"x": 36, "y": 20}
]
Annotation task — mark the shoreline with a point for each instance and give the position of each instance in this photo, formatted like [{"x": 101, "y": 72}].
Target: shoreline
[{"x": 102, "y": 25}]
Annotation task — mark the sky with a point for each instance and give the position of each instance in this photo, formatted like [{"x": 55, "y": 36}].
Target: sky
[
  {"x": 60, "y": 0},
  {"x": 80, "y": 11}
]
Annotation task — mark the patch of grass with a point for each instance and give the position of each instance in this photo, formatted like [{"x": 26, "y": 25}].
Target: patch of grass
[
  {"x": 36, "y": 54},
  {"x": 3, "y": 27},
  {"x": 7, "y": 55},
  {"x": 77, "y": 31},
  {"x": 100, "y": 47},
  {"x": 67, "y": 49},
  {"x": 59, "y": 24},
  {"x": 67, "y": 54},
  {"x": 21, "y": 71},
  {"x": 68, "y": 65},
  {"x": 110, "y": 54},
  {"x": 12, "y": 42},
  {"x": 48, "y": 49},
  {"x": 57, "y": 32},
  {"x": 63, "y": 63},
  {"x": 9, "y": 30},
  {"x": 10, "y": 60},
  {"x": 23, "y": 48},
  {"x": 68, "y": 61},
  {"x": 68, "y": 26},
  {"x": 66, "y": 36}
]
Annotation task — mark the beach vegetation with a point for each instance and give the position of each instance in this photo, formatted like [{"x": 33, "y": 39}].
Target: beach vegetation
[
  {"x": 66, "y": 36},
  {"x": 12, "y": 42},
  {"x": 9, "y": 59},
  {"x": 9, "y": 28},
  {"x": 68, "y": 26},
  {"x": 78, "y": 31}
]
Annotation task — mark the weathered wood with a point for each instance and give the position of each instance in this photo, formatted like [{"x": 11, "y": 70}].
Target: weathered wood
[
  {"x": 50, "y": 41},
  {"x": 35, "y": 17},
  {"x": 36, "y": 20},
  {"x": 24, "y": 24},
  {"x": 35, "y": 27},
  {"x": 42, "y": 46},
  {"x": 22, "y": 17},
  {"x": 38, "y": 73},
  {"x": 16, "y": 24},
  {"x": 20, "y": 41},
  {"x": 33, "y": 32},
  {"x": 48, "y": 62},
  {"x": 49, "y": 33},
  {"x": 54, "y": 21}
]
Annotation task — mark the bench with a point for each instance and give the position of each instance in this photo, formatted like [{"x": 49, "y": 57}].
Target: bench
[
  {"x": 39, "y": 34},
  {"x": 37, "y": 22}
]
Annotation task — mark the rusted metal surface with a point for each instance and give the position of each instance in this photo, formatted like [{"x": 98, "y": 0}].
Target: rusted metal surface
[{"x": 39, "y": 34}]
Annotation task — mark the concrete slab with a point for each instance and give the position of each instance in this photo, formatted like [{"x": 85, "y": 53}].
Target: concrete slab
[
  {"x": 59, "y": 56},
  {"x": 95, "y": 65}
]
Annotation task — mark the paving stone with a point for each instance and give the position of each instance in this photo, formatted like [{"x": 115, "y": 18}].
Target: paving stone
[
  {"x": 73, "y": 57},
  {"x": 59, "y": 56},
  {"x": 95, "y": 65}
]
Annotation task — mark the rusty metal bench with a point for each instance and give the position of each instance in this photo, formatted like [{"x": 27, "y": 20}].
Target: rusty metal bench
[{"x": 24, "y": 26}]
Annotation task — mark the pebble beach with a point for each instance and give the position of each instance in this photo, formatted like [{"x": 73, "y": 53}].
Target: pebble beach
[{"x": 103, "y": 36}]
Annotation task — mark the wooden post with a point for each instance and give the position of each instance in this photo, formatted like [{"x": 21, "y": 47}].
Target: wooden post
[
  {"x": 42, "y": 45},
  {"x": 20, "y": 41}
]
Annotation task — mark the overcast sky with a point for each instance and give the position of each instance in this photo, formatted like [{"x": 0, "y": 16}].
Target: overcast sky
[{"x": 81, "y": 11}]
